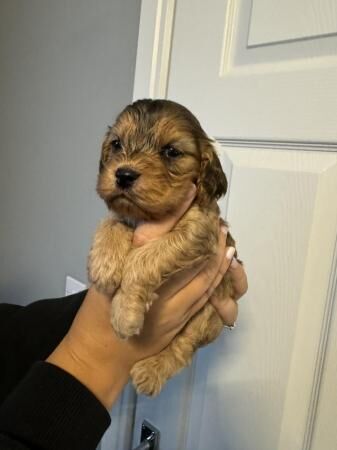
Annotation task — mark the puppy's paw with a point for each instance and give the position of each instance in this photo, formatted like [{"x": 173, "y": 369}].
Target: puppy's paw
[
  {"x": 127, "y": 318},
  {"x": 106, "y": 287},
  {"x": 148, "y": 376},
  {"x": 104, "y": 273}
]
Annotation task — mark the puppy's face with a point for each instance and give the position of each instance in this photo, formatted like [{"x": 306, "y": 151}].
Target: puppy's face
[{"x": 150, "y": 157}]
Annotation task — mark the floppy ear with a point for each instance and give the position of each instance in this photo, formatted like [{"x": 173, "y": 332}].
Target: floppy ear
[{"x": 212, "y": 183}]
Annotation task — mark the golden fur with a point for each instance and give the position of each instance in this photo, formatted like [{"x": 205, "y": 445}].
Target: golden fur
[{"x": 165, "y": 144}]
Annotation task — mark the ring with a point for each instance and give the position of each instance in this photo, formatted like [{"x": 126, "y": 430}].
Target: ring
[{"x": 230, "y": 327}]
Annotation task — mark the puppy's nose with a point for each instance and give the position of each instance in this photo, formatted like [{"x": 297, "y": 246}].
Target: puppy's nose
[{"x": 126, "y": 177}]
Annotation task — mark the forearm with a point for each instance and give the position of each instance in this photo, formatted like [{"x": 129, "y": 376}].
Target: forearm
[
  {"x": 93, "y": 354},
  {"x": 105, "y": 379},
  {"x": 60, "y": 398}
]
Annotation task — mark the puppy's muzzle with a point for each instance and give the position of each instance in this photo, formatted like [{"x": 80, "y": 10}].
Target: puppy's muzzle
[{"x": 125, "y": 177}]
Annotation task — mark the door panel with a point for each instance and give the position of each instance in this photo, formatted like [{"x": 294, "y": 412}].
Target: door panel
[
  {"x": 235, "y": 88},
  {"x": 288, "y": 20},
  {"x": 257, "y": 381},
  {"x": 170, "y": 411}
]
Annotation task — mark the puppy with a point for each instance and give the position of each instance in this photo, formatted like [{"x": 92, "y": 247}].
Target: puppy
[{"x": 150, "y": 157}]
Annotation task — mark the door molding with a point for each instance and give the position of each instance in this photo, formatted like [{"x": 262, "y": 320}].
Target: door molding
[
  {"x": 278, "y": 144},
  {"x": 321, "y": 353},
  {"x": 231, "y": 26},
  {"x": 154, "y": 48}
]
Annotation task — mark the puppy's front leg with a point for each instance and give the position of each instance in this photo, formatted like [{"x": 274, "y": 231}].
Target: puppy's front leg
[
  {"x": 111, "y": 244},
  {"x": 194, "y": 239}
]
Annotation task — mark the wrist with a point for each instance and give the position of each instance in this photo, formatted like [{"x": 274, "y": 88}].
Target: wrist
[
  {"x": 91, "y": 353},
  {"x": 105, "y": 379}
]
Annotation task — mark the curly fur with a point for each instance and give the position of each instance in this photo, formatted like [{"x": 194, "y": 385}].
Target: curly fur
[{"x": 139, "y": 140}]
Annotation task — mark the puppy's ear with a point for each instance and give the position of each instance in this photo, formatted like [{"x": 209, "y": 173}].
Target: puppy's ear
[
  {"x": 105, "y": 150},
  {"x": 212, "y": 183}
]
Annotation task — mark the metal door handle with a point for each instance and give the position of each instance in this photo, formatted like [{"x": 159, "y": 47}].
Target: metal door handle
[
  {"x": 149, "y": 438},
  {"x": 145, "y": 445}
]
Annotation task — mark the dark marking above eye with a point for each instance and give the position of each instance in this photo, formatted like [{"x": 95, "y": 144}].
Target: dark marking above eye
[{"x": 171, "y": 152}]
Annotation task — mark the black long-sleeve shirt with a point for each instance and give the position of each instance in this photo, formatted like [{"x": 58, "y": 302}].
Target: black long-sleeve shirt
[{"x": 42, "y": 406}]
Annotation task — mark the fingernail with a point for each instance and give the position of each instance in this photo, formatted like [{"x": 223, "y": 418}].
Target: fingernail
[
  {"x": 230, "y": 253},
  {"x": 234, "y": 263}
]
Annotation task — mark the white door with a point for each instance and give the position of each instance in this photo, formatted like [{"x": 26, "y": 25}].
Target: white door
[{"x": 261, "y": 76}]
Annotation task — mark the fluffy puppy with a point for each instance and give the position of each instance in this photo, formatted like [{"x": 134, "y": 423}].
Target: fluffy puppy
[{"x": 150, "y": 157}]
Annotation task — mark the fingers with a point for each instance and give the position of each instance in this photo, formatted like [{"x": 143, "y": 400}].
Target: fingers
[
  {"x": 225, "y": 263},
  {"x": 178, "y": 281},
  {"x": 239, "y": 279},
  {"x": 227, "y": 308},
  {"x": 224, "y": 266},
  {"x": 149, "y": 231},
  {"x": 208, "y": 275},
  {"x": 197, "y": 292}
]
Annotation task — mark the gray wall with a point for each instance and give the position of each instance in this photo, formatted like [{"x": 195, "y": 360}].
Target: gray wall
[{"x": 67, "y": 68}]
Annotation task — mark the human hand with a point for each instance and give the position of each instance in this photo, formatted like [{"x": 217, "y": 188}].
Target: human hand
[
  {"x": 93, "y": 353},
  {"x": 185, "y": 292},
  {"x": 227, "y": 308}
]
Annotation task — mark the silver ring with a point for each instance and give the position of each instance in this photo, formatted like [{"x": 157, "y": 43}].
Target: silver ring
[{"x": 230, "y": 327}]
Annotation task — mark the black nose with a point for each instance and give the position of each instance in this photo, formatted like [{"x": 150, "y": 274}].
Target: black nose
[{"x": 125, "y": 177}]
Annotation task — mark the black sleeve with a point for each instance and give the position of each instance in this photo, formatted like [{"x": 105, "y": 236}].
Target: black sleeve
[
  {"x": 42, "y": 406},
  {"x": 30, "y": 333},
  {"x": 51, "y": 410}
]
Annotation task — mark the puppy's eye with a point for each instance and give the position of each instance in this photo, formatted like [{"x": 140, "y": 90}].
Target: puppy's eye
[
  {"x": 116, "y": 145},
  {"x": 171, "y": 152}
]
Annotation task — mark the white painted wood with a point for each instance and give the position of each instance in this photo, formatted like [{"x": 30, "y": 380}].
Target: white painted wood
[
  {"x": 154, "y": 48},
  {"x": 260, "y": 83},
  {"x": 287, "y": 20},
  {"x": 169, "y": 411},
  {"x": 325, "y": 430},
  {"x": 316, "y": 302},
  {"x": 239, "y": 58},
  {"x": 243, "y": 384},
  {"x": 252, "y": 389},
  {"x": 120, "y": 433},
  {"x": 274, "y": 105}
]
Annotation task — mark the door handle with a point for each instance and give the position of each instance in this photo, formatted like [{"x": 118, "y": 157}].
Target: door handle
[{"x": 149, "y": 437}]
